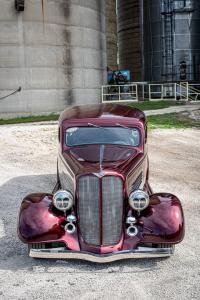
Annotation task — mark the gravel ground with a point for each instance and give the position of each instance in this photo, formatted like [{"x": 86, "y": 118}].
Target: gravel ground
[{"x": 28, "y": 164}]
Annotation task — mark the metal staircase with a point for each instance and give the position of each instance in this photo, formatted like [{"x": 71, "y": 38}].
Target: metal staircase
[{"x": 169, "y": 9}]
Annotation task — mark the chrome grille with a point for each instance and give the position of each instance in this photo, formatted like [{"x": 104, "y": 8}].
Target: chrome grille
[
  {"x": 90, "y": 206},
  {"x": 112, "y": 198}
]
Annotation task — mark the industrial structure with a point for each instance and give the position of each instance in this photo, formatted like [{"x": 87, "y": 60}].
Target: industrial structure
[
  {"x": 159, "y": 41},
  {"x": 130, "y": 37},
  {"x": 59, "y": 51},
  {"x": 111, "y": 35}
]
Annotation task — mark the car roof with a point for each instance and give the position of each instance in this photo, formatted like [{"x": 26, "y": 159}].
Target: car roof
[{"x": 101, "y": 111}]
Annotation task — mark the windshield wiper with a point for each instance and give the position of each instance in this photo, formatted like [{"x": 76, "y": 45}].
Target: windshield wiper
[
  {"x": 123, "y": 126},
  {"x": 90, "y": 124},
  {"x": 96, "y": 126}
]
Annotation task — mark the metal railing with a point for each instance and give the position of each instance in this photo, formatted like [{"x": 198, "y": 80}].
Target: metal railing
[
  {"x": 159, "y": 92},
  {"x": 169, "y": 91},
  {"x": 194, "y": 91},
  {"x": 120, "y": 93},
  {"x": 143, "y": 91}
]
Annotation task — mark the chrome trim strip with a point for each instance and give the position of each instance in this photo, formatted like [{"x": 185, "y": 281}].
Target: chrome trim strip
[{"x": 141, "y": 252}]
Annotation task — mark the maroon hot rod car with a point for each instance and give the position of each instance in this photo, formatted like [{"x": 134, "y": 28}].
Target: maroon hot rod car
[{"x": 102, "y": 208}]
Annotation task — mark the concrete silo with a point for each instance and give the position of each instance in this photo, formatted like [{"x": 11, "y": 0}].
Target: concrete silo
[{"x": 56, "y": 52}]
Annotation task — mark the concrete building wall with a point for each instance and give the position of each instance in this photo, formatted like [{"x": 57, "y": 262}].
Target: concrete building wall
[
  {"x": 111, "y": 34},
  {"x": 58, "y": 62}
]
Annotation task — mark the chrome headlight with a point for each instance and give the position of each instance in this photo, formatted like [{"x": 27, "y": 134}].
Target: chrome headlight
[
  {"x": 139, "y": 200},
  {"x": 63, "y": 200}
]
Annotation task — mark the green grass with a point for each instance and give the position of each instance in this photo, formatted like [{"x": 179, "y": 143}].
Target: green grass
[
  {"x": 153, "y": 105},
  {"x": 174, "y": 120},
  {"x": 30, "y": 119},
  {"x": 146, "y": 105}
]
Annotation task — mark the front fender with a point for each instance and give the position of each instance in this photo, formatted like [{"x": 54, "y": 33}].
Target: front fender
[
  {"x": 163, "y": 221},
  {"x": 38, "y": 222},
  {"x": 36, "y": 219}
]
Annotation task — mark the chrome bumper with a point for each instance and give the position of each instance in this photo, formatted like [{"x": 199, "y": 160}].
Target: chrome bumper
[{"x": 140, "y": 252}]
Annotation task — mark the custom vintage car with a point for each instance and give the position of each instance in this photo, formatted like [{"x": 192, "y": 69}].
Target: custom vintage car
[{"x": 102, "y": 208}]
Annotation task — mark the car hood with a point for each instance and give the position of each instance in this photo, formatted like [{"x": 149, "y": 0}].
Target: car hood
[{"x": 95, "y": 158}]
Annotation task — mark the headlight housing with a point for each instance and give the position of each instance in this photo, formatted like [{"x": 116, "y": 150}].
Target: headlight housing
[
  {"x": 63, "y": 200},
  {"x": 139, "y": 200}
]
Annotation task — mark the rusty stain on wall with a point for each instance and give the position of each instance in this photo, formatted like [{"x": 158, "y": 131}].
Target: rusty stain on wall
[{"x": 42, "y": 2}]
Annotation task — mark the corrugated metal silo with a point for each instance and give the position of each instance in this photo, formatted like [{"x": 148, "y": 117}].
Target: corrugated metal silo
[
  {"x": 111, "y": 34},
  {"x": 129, "y": 37}
]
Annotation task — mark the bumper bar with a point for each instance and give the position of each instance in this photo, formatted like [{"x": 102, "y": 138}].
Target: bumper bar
[{"x": 140, "y": 252}]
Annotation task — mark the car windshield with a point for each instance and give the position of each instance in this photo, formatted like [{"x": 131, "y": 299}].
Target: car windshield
[{"x": 77, "y": 136}]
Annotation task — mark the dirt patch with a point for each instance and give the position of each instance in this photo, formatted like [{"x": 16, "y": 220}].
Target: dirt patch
[
  {"x": 195, "y": 115},
  {"x": 190, "y": 115}
]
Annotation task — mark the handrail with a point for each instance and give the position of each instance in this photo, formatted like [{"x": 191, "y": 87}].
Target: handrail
[
  {"x": 17, "y": 91},
  {"x": 183, "y": 91}
]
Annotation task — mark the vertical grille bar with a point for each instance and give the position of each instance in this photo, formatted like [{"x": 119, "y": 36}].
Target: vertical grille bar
[
  {"x": 88, "y": 205},
  {"x": 112, "y": 197}
]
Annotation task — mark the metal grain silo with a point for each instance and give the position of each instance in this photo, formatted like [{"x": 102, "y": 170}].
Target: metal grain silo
[
  {"x": 111, "y": 34},
  {"x": 171, "y": 40},
  {"x": 129, "y": 37},
  {"x": 164, "y": 39},
  {"x": 55, "y": 50}
]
